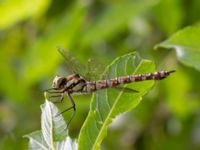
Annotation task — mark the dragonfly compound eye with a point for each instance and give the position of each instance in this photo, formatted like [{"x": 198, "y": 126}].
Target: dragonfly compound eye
[{"x": 62, "y": 82}]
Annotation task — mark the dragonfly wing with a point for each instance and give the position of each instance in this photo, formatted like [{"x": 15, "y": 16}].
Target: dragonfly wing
[
  {"x": 73, "y": 64},
  {"x": 94, "y": 69}
]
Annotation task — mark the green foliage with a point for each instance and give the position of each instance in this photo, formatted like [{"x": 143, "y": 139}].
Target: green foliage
[
  {"x": 108, "y": 22},
  {"x": 176, "y": 15},
  {"x": 185, "y": 43},
  {"x": 20, "y": 10},
  {"x": 167, "y": 118}
]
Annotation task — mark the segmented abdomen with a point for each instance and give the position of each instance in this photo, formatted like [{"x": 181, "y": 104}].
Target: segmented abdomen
[{"x": 101, "y": 84}]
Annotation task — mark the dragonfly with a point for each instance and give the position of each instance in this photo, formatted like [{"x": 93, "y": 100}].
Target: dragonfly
[{"x": 77, "y": 84}]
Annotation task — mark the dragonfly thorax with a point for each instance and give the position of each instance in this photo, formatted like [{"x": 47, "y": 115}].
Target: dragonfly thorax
[{"x": 59, "y": 82}]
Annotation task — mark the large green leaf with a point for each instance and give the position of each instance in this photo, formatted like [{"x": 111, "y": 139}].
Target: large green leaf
[
  {"x": 107, "y": 104},
  {"x": 187, "y": 46},
  {"x": 53, "y": 129}
]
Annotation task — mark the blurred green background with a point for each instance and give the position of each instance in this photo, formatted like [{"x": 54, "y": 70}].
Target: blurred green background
[{"x": 169, "y": 115}]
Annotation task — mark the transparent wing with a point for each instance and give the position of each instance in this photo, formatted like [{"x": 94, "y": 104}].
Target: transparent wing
[
  {"x": 94, "y": 69},
  {"x": 73, "y": 64}
]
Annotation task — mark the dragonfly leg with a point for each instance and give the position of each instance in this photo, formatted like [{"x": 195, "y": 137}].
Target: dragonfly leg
[
  {"x": 72, "y": 107},
  {"x": 70, "y": 119}
]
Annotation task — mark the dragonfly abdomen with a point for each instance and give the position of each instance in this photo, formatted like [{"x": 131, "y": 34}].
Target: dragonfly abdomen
[
  {"x": 101, "y": 84},
  {"x": 151, "y": 76}
]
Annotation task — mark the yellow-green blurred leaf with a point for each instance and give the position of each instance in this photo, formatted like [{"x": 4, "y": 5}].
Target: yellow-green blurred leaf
[{"x": 13, "y": 11}]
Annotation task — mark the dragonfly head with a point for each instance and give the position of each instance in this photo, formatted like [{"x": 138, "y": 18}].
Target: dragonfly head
[{"x": 59, "y": 82}]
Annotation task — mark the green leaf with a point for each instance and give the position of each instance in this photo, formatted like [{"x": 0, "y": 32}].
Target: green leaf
[
  {"x": 53, "y": 134},
  {"x": 51, "y": 123},
  {"x": 107, "y": 104},
  {"x": 187, "y": 46}
]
